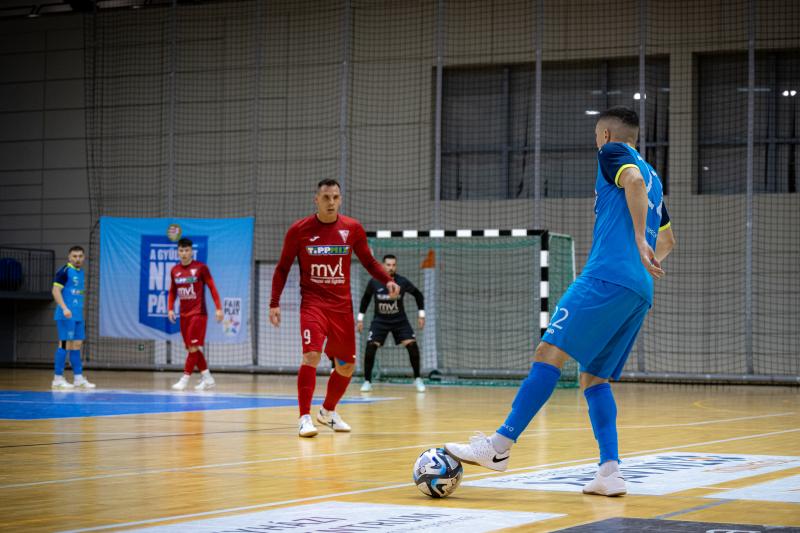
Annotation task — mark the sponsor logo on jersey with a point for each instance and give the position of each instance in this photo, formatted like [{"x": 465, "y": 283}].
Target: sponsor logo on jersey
[
  {"x": 187, "y": 293},
  {"x": 323, "y": 249},
  {"x": 344, "y": 233},
  {"x": 186, "y": 279},
  {"x": 328, "y": 274},
  {"x": 388, "y": 308},
  {"x": 314, "y": 238}
]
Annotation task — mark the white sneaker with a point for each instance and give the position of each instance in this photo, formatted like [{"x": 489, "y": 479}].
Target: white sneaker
[
  {"x": 82, "y": 382},
  {"x": 479, "y": 452},
  {"x": 307, "y": 427},
  {"x": 418, "y": 383},
  {"x": 332, "y": 420},
  {"x": 366, "y": 387},
  {"x": 610, "y": 485},
  {"x": 60, "y": 383},
  {"x": 205, "y": 383},
  {"x": 182, "y": 383}
]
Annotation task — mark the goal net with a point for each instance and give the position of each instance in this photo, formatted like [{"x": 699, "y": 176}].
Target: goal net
[{"x": 487, "y": 299}]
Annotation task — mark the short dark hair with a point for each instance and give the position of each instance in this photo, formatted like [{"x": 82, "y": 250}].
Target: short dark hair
[
  {"x": 185, "y": 243},
  {"x": 328, "y": 182},
  {"x": 389, "y": 256},
  {"x": 76, "y": 248},
  {"x": 626, "y": 115}
]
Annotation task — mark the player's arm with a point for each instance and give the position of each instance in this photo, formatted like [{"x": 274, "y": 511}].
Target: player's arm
[
  {"x": 420, "y": 299},
  {"x": 375, "y": 269},
  {"x": 666, "y": 239},
  {"x": 362, "y": 308},
  {"x": 212, "y": 287},
  {"x": 281, "y": 274},
  {"x": 636, "y": 196},
  {"x": 173, "y": 293},
  {"x": 58, "y": 286}
]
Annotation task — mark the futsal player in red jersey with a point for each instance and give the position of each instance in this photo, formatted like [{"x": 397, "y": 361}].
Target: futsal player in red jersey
[
  {"x": 323, "y": 244},
  {"x": 189, "y": 281}
]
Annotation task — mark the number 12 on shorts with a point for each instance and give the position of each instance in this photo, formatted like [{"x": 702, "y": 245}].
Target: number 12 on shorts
[{"x": 555, "y": 321}]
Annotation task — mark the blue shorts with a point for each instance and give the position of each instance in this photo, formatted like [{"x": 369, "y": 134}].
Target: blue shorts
[
  {"x": 71, "y": 330},
  {"x": 596, "y": 323}
]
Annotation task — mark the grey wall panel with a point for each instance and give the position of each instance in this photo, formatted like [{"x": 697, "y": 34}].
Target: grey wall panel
[
  {"x": 23, "y": 155},
  {"x": 21, "y": 126},
  {"x": 70, "y": 153},
  {"x": 25, "y": 96},
  {"x": 22, "y": 67}
]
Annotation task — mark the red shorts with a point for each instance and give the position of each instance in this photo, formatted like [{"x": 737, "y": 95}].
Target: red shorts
[
  {"x": 193, "y": 330},
  {"x": 317, "y": 324}
]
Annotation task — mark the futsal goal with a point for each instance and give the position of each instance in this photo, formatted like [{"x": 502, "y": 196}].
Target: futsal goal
[{"x": 488, "y": 299}]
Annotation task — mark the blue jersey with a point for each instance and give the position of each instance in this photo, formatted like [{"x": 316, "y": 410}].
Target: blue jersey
[
  {"x": 71, "y": 281},
  {"x": 614, "y": 256}
]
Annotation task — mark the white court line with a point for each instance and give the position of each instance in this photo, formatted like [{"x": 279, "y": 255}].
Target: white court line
[
  {"x": 450, "y": 432},
  {"x": 205, "y": 467},
  {"x": 278, "y": 459},
  {"x": 403, "y": 485}
]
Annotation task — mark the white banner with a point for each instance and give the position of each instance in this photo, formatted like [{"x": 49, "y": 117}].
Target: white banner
[
  {"x": 655, "y": 475},
  {"x": 344, "y": 516},
  {"x": 778, "y": 490}
]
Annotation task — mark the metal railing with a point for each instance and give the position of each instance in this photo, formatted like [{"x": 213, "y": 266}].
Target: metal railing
[{"x": 26, "y": 272}]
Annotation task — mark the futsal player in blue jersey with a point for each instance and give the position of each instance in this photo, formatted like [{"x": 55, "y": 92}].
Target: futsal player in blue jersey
[
  {"x": 68, "y": 291},
  {"x": 598, "y": 318}
]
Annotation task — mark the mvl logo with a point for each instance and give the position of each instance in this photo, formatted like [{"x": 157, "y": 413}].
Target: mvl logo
[{"x": 328, "y": 271}]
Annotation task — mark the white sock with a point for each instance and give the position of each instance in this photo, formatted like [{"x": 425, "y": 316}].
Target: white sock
[
  {"x": 608, "y": 468},
  {"x": 501, "y": 443},
  {"x": 324, "y": 411},
  {"x": 185, "y": 377},
  {"x": 206, "y": 373}
]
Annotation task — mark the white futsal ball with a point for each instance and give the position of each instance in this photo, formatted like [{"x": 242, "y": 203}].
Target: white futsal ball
[{"x": 437, "y": 474}]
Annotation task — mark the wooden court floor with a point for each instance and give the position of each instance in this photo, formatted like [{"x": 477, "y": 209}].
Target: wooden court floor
[{"x": 131, "y": 471}]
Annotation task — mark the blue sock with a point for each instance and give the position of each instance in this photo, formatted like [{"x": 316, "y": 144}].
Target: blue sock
[
  {"x": 532, "y": 395},
  {"x": 61, "y": 360},
  {"x": 75, "y": 362},
  {"x": 603, "y": 414}
]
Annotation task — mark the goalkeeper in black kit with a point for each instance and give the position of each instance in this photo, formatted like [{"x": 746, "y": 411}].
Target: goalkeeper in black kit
[{"x": 390, "y": 317}]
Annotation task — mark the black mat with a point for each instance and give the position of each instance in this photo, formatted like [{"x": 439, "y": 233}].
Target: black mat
[{"x": 637, "y": 525}]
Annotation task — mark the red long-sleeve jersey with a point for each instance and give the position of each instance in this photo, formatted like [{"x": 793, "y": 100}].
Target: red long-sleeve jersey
[
  {"x": 324, "y": 251},
  {"x": 188, "y": 284}
]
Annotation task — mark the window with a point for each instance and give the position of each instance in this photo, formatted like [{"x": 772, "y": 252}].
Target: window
[
  {"x": 722, "y": 115},
  {"x": 488, "y": 125}
]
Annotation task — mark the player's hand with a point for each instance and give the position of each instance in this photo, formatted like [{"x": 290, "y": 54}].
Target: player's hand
[
  {"x": 171, "y": 316},
  {"x": 275, "y": 316},
  {"x": 648, "y": 257},
  {"x": 360, "y": 326},
  {"x": 218, "y": 315},
  {"x": 421, "y": 322},
  {"x": 394, "y": 290},
  {"x": 67, "y": 312}
]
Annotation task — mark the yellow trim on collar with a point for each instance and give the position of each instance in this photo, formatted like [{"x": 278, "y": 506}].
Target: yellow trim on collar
[{"x": 619, "y": 173}]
